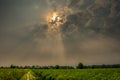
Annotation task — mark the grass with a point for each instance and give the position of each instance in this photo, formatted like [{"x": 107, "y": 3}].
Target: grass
[
  {"x": 78, "y": 74},
  {"x": 28, "y": 76},
  {"x": 60, "y": 74},
  {"x": 12, "y": 74}
]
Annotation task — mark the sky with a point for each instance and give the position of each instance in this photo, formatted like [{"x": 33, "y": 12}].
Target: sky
[{"x": 90, "y": 32}]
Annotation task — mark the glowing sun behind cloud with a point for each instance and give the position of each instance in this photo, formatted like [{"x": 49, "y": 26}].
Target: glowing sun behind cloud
[{"x": 55, "y": 19}]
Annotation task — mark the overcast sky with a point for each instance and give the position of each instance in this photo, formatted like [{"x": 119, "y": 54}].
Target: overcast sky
[{"x": 91, "y": 33}]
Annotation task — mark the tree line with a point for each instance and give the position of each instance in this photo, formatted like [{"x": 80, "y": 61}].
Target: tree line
[{"x": 79, "y": 66}]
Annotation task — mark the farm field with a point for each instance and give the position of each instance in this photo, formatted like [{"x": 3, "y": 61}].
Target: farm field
[
  {"x": 60, "y": 74},
  {"x": 12, "y": 74}
]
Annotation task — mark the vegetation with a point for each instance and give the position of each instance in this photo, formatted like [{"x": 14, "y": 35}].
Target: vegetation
[
  {"x": 12, "y": 74},
  {"x": 60, "y": 74},
  {"x": 80, "y": 72},
  {"x": 77, "y": 74},
  {"x": 79, "y": 66}
]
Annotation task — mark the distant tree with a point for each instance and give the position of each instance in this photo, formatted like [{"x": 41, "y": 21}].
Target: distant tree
[
  {"x": 57, "y": 67},
  {"x": 12, "y": 66},
  {"x": 80, "y": 66},
  {"x": 45, "y": 67},
  {"x": 1, "y": 67},
  {"x": 27, "y": 67},
  {"x": 33, "y": 67}
]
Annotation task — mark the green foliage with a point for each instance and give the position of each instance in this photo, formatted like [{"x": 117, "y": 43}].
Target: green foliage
[
  {"x": 80, "y": 66},
  {"x": 77, "y": 74},
  {"x": 11, "y": 74},
  {"x": 28, "y": 76},
  {"x": 60, "y": 74}
]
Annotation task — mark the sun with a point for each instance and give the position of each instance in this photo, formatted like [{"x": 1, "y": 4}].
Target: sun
[{"x": 55, "y": 19}]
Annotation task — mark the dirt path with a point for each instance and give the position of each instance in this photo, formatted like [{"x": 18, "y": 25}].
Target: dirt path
[{"x": 28, "y": 76}]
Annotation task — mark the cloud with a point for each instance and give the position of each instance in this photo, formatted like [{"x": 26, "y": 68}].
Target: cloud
[{"x": 90, "y": 35}]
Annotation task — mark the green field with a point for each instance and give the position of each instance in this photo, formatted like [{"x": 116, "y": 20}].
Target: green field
[{"x": 60, "y": 74}]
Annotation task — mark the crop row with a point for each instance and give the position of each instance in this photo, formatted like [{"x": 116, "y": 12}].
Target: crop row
[
  {"x": 12, "y": 74},
  {"x": 77, "y": 74},
  {"x": 60, "y": 74}
]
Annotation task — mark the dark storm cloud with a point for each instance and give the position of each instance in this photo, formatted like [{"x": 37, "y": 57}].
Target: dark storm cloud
[
  {"x": 15, "y": 37},
  {"x": 80, "y": 4},
  {"x": 96, "y": 17},
  {"x": 94, "y": 22},
  {"x": 90, "y": 33},
  {"x": 94, "y": 25}
]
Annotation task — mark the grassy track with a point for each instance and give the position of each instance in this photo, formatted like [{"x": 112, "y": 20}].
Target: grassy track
[
  {"x": 60, "y": 74},
  {"x": 28, "y": 76}
]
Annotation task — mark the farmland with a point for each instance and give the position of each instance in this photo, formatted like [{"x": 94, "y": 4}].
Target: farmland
[
  {"x": 12, "y": 74},
  {"x": 60, "y": 74}
]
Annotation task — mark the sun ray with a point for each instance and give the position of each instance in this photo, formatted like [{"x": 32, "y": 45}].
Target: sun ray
[{"x": 54, "y": 21}]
